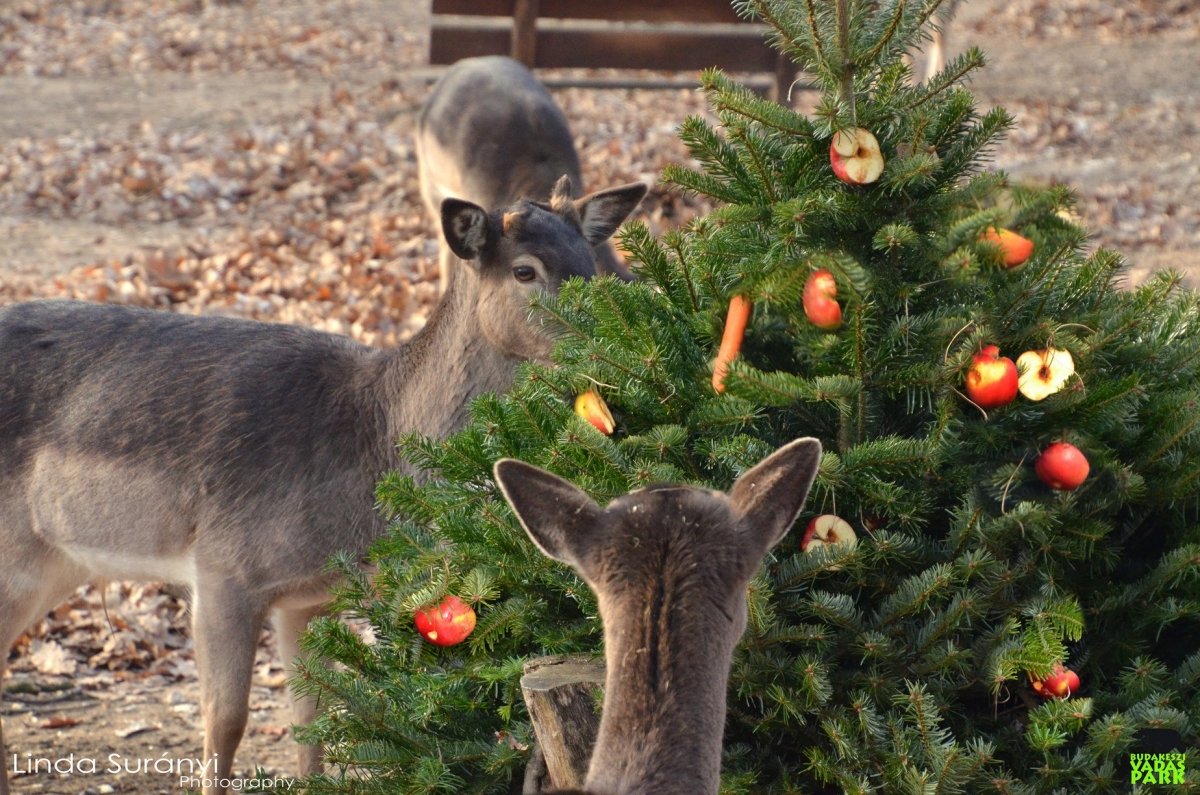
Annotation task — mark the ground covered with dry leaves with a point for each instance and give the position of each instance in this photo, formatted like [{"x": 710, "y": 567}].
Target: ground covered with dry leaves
[{"x": 255, "y": 158}]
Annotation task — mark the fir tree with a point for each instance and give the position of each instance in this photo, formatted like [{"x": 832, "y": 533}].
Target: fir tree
[{"x": 902, "y": 664}]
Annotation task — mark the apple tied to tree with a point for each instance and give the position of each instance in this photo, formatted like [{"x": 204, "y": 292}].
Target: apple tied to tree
[
  {"x": 1060, "y": 683},
  {"x": 445, "y": 624},
  {"x": 992, "y": 379},
  {"x": 592, "y": 408},
  {"x": 1044, "y": 372},
  {"x": 1015, "y": 248},
  {"x": 855, "y": 157},
  {"x": 827, "y": 530},
  {"x": 1062, "y": 466},
  {"x": 819, "y": 299}
]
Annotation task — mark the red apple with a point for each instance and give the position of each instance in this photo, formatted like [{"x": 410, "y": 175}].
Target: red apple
[
  {"x": 820, "y": 306},
  {"x": 446, "y": 624},
  {"x": 826, "y": 530},
  {"x": 1062, "y": 466},
  {"x": 855, "y": 156},
  {"x": 992, "y": 378},
  {"x": 1016, "y": 249},
  {"x": 1061, "y": 683}
]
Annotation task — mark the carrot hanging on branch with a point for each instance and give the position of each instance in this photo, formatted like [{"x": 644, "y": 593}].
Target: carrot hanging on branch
[{"x": 731, "y": 340}]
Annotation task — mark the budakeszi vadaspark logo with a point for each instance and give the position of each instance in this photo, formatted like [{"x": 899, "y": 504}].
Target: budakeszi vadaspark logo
[{"x": 1164, "y": 768}]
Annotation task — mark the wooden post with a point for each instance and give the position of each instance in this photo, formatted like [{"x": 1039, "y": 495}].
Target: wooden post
[
  {"x": 524, "y": 35},
  {"x": 561, "y": 694}
]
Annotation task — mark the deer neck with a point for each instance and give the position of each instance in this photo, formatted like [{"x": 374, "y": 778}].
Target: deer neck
[
  {"x": 664, "y": 711},
  {"x": 431, "y": 380}
]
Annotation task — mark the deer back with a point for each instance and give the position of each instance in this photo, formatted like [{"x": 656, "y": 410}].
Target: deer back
[{"x": 490, "y": 133}]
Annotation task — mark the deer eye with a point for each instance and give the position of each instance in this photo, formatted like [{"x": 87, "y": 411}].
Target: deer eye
[{"x": 524, "y": 273}]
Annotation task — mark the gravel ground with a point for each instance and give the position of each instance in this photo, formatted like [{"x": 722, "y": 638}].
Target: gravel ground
[{"x": 255, "y": 158}]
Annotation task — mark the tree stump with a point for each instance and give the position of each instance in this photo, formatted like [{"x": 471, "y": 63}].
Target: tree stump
[{"x": 562, "y": 694}]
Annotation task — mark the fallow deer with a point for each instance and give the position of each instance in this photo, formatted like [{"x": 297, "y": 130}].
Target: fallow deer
[
  {"x": 491, "y": 134},
  {"x": 669, "y": 566},
  {"x": 235, "y": 457}
]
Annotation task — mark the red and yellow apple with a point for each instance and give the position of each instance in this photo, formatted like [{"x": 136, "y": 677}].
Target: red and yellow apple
[
  {"x": 1060, "y": 683},
  {"x": 855, "y": 156},
  {"x": 445, "y": 624},
  {"x": 1016, "y": 249},
  {"x": 992, "y": 378},
  {"x": 1044, "y": 372},
  {"x": 827, "y": 530},
  {"x": 1062, "y": 466},
  {"x": 591, "y": 407},
  {"x": 819, "y": 298}
]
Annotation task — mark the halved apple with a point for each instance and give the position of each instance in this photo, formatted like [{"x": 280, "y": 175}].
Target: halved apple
[
  {"x": 1044, "y": 372},
  {"x": 855, "y": 156},
  {"x": 826, "y": 530}
]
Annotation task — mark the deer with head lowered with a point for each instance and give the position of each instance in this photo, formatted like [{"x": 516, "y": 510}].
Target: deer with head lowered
[
  {"x": 669, "y": 566},
  {"x": 491, "y": 134},
  {"x": 236, "y": 457}
]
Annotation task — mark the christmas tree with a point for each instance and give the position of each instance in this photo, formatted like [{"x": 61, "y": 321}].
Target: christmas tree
[{"x": 1022, "y": 602}]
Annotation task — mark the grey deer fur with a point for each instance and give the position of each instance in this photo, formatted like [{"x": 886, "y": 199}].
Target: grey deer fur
[
  {"x": 235, "y": 456},
  {"x": 490, "y": 133},
  {"x": 669, "y": 566}
]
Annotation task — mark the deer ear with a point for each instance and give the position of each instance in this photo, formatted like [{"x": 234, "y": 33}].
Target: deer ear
[
  {"x": 769, "y": 496},
  {"x": 557, "y": 514},
  {"x": 467, "y": 227},
  {"x": 602, "y": 212}
]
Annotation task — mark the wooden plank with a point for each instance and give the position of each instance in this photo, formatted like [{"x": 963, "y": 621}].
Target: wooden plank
[
  {"x": 451, "y": 42},
  {"x": 674, "y": 48},
  {"x": 617, "y": 10}
]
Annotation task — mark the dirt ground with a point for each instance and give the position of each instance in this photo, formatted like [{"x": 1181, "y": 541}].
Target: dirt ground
[{"x": 255, "y": 158}]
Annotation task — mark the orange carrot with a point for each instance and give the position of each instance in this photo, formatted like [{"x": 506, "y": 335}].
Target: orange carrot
[{"x": 731, "y": 340}]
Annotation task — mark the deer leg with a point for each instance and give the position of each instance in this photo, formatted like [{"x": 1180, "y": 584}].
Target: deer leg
[
  {"x": 227, "y": 623},
  {"x": 289, "y": 626},
  {"x": 37, "y": 579}
]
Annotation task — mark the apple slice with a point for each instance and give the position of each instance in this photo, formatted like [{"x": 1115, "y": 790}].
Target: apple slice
[{"x": 855, "y": 156}]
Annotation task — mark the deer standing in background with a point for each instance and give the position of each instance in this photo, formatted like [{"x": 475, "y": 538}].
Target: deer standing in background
[
  {"x": 236, "y": 457},
  {"x": 490, "y": 133},
  {"x": 669, "y": 566}
]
